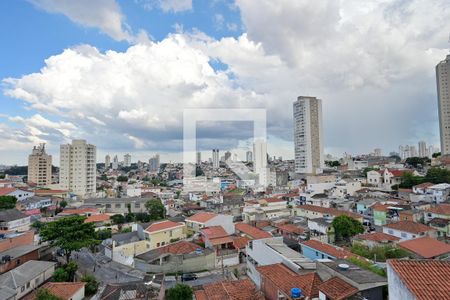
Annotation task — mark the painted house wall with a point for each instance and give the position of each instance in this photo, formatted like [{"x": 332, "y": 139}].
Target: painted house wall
[
  {"x": 162, "y": 238},
  {"x": 314, "y": 254}
]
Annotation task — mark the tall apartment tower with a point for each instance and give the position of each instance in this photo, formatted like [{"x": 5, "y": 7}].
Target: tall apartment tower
[
  {"x": 154, "y": 163},
  {"x": 127, "y": 160},
  {"x": 249, "y": 156},
  {"x": 308, "y": 136},
  {"x": 77, "y": 168},
  {"x": 260, "y": 160},
  {"x": 115, "y": 163},
  {"x": 39, "y": 166},
  {"x": 215, "y": 158},
  {"x": 443, "y": 92},
  {"x": 199, "y": 158},
  {"x": 423, "y": 151},
  {"x": 107, "y": 161}
]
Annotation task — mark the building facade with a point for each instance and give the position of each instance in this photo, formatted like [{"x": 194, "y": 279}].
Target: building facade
[
  {"x": 443, "y": 91},
  {"x": 40, "y": 166},
  {"x": 107, "y": 161},
  {"x": 215, "y": 158},
  {"x": 78, "y": 168},
  {"x": 127, "y": 160},
  {"x": 308, "y": 136}
]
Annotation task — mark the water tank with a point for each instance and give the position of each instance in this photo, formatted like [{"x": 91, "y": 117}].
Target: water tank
[{"x": 296, "y": 293}]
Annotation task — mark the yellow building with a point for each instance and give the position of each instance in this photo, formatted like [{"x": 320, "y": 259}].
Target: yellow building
[{"x": 159, "y": 234}]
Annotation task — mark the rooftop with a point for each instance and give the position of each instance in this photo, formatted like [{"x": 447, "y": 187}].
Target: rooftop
[
  {"x": 202, "y": 217},
  {"x": 426, "y": 247},
  {"x": 409, "y": 226},
  {"x": 328, "y": 249},
  {"x": 441, "y": 209},
  {"x": 97, "y": 218},
  {"x": 24, "y": 273},
  {"x": 251, "y": 231},
  {"x": 8, "y": 215},
  {"x": 355, "y": 273},
  {"x": 337, "y": 289},
  {"x": 214, "y": 232},
  {"x": 377, "y": 237},
  {"x": 64, "y": 290},
  {"x": 6, "y": 191},
  {"x": 163, "y": 225},
  {"x": 426, "y": 279},
  {"x": 330, "y": 211},
  {"x": 243, "y": 289}
]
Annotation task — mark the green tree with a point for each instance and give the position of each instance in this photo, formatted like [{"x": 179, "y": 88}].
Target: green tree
[
  {"x": 60, "y": 275},
  {"x": 346, "y": 227},
  {"x": 7, "y": 202},
  {"x": 118, "y": 219},
  {"x": 436, "y": 154},
  {"x": 71, "y": 268},
  {"x": 155, "y": 209},
  {"x": 63, "y": 204},
  {"x": 367, "y": 170},
  {"x": 416, "y": 161},
  {"x": 332, "y": 163},
  {"x": 103, "y": 234},
  {"x": 438, "y": 175},
  {"x": 104, "y": 177},
  {"x": 179, "y": 292},
  {"x": 91, "y": 284},
  {"x": 69, "y": 234},
  {"x": 122, "y": 178},
  {"x": 408, "y": 180},
  {"x": 44, "y": 294}
]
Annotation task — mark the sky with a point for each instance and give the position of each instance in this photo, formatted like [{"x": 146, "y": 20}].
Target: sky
[{"x": 120, "y": 74}]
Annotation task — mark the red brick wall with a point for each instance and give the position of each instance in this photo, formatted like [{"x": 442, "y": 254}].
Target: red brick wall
[
  {"x": 19, "y": 261},
  {"x": 269, "y": 289},
  {"x": 24, "y": 239}
]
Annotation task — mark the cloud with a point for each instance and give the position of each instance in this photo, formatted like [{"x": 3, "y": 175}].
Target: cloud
[
  {"x": 103, "y": 14},
  {"x": 174, "y": 6}
]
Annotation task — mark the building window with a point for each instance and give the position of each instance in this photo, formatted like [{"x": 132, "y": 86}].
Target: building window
[
  {"x": 404, "y": 235},
  {"x": 158, "y": 244},
  {"x": 390, "y": 231}
]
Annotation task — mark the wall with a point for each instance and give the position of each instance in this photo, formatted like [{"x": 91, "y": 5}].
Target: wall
[
  {"x": 158, "y": 238},
  {"x": 188, "y": 264},
  {"x": 397, "y": 290},
  {"x": 17, "y": 261},
  {"x": 41, "y": 278},
  {"x": 226, "y": 221},
  {"x": 22, "y": 239},
  {"x": 379, "y": 218},
  {"x": 315, "y": 254}
]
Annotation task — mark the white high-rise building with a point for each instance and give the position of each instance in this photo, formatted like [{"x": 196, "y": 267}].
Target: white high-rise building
[
  {"x": 377, "y": 152},
  {"x": 107, "y": 161},
  {"x": 199, "y": 158},
  {"x": 115, "y": 163},
  {"x": 443, "y": 91},
  {"x": 308, "y": 136},
  {"x": 249, "y": 156},
  {"x": 215, "y": 158},
  {"x": 423, "y": 151},
  {"x": 154, "y": 163},
  {"x": 412, "y": 151},
  {"x": 77, "y": 169},
  {"x": 260, "y": 160},
  {"x": 39, "y": 166},
  {"x": 127, "y": 160}
]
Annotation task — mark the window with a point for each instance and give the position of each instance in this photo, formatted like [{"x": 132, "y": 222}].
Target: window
[
  {"x": 117, "y": 205},
  {"x": 170, "y": 233},
  {"x": 323, "y": 256},
  {"x": 158, "y": 244},
  {"x": 108, "y": 205},
  {"x": 317, "y": 253},
  {"x": 22, "y": 289},
  {"x": 391, "y": 231},
  {"x": 404, "y": 235}
]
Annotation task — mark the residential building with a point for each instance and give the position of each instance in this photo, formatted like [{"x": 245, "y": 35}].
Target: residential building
[
  {"x": 249, "y": 156},
  {"x": 265, "y": 209},
  {"x": 215, "y": 158},
  {"x": 243, "y": 289},
  {"x": 314, "y": 250},
  {"x": 426, "y": 248},
  {"x": 217, "y": 239},
  {"x": 20, "y": 194},
  {"x": 161, "y": 233},
  {"x": 443, "y": 92},
  {"x": 387, "y": 178},
  {"x": 418, "y": 279},
  {"x": 375, "y": 239},
  {"x": 107, "y": 162},
  {"x": 250, "y": 231},
  {"x": 182, "y": 256},
  {"x": 39, "y": 166},
  {"x": 154, "y": 163},
  {"x": 308, "y": 135},
  {"x": 199, "y": 158},
  {"x": 123, "y": 247},
  {"x": 312, "y": 212},
  {"x": 14, "y": 220},
  {"x": 115, "y": 163},
  {"x": 134, "y": 290},
  {"x": 227, "y": 156},
  {"x": 273, "y": 250},
  {"x": 33, "y": 205},
  {"x": 206, "y": 219},
  {"x": 127, "y": 160},
  {"x": 63, "y": 290},
  {"x": 407, "y": 230},
  {"x": 423, "y": 151},
  {"x": 78, "y": 170},
  {"x": 336, "y": 288},
  {"x": 10, "y": 240},
  {"x": 260, "y": 160},
  {"x": 322, "y": 229},
  {"x": 27, "y": 277},
  {"x": 14, "y": 257},
  {"x": 117, "y": 205}
]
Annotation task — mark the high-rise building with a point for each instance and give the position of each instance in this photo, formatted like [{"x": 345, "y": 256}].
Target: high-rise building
[
  {"x": 377, "y": 152},
  {"x": 39, "y": 166},
  {"x": 215, "y": 158},
  {"x": 115, "y": 163},
  {"x": 249, "y": 156},
  {"x": 443, "y": 92},
  {"x": 412, "y": 151},
  {"x": 260, "y": 160},
  {"x": 199, "y": 158},
  {"x": 153, "y": 163},
  {"x": 127, "y": 160},
  {"x": 423, "y": 151},
  {"x": 227, "y": 155},
  {"x": 107, "y": 161},
  {"x": 77, "y": 168},
  {"x": 308, "y": 135}
]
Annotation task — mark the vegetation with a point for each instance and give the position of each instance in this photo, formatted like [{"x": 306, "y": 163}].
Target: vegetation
[
  {"x": 367, "y": 170},
  {"x": 91, "y": 286},
  {"x": 63, "y": 204},
  {"x": 122, "y": 178},
  {"x": 379, "y": 253},
  {"x": 434, "y": 175},
  {"x": 17, "y": 170},
  {"x": 346, "y": 227},
  {"x": 65, "y": 273},
  {"x": 417, "y": 161},
  {"x": 437, "y": 154},
  {"x": 179, "y": 292},
  {"x": 125, "y": 230},
  {"x": 118, "y": 219},
  {"x": 69, "y": 234},
  {"x": 155, "y": 209},
  {"x": 409, "y": 180},
  {"x": 332, "y": 163},
  {"x": 103, "y": 234},
  {"x": 7, "y": 202},
  {"x": 367, "y": 266},
  {"x": 104, "y": 177},
  {"x": 44, "y": 294}
]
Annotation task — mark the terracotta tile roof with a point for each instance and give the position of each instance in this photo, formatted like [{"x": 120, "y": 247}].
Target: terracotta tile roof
[
  {"x": 377, "y": 237},
  {"x": 214, "y": 232},
  {"x": 426, "y": 247},
  {"x": 328, "y": 249},
  {"x": 64, "y": 290},
  {"x": 380, "y": 207},
  {"x": 6, "y": 191},
  {"x": 202, "y": 217},
  {"x": 273, "y": 200},
  {"x": 181, "y": 247},
  {"x": 423, "y": 185},
  {"x": 243, "y": 289},
  {"x": 426, "y": 279},
  {"x": 251, "y": 231},
  {"x": 330, "y": 211},
  {"x": 285, "y": 279},
  {"x": 240, "y": 242},
  {"x": 337, "y": 289},
  {"x": 439, "y": 222},
  {"x": 97, "y": 218},
  {"x": 163, "y": 225},
  {"x": 441, "y": 209},
  {"x": 80, "y": 211},
  {"x": 200, "y": 295},
  {"x": 409, "y": 226},
  {"x": 221, "y": 240},
  {"x": 50, "y": 191},
  {"x": 290, "y": 228}
]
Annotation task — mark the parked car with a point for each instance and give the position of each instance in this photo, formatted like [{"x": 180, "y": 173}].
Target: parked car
[{"x": 188, "y": 277}]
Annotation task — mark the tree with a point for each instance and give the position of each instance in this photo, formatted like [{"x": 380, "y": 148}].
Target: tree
[
  {"x": 332, "y": 163},
  {"x": 436, "y": 154},
  {"x": 179, "y": 292},
  {"x": 118, "y": 219},
  {"x": 416, "y": 161},
  {"x": 155, "y": 209},
  {"x": 103, "y": 234},
  {"x": 63, "y": 204},
  {"x": 346, "y": 227},
  {"x": 122, "y": 178},
  {"x": 60, "y": 275},
  {"x": 104, "y": 177},
  {"x": 69, "y": 234},
  {"x": 91, "y": 284},
  {"x": 71, "y": 268},
  {"x": 408, "y": 180},
  {"x": 7, "y": 202},
  {"x": 44, "y": 294},
  {"x": 438, "y": 175}
]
